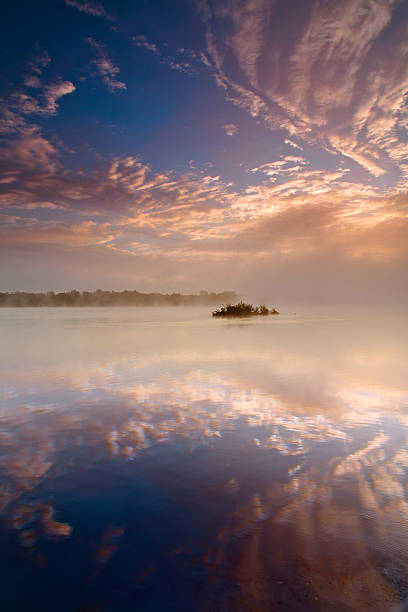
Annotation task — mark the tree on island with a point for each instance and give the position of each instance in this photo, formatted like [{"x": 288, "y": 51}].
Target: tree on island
[{"x": 243, "y": 310}]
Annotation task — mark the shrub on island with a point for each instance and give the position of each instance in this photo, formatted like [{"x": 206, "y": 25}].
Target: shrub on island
[{"x": 243, "y": 310}]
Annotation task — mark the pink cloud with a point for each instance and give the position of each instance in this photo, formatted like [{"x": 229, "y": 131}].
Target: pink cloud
[
  {"x": 334, "y": 81},
  {"x": 29, "y": 151},
  {"x": 105, "y": 67}
]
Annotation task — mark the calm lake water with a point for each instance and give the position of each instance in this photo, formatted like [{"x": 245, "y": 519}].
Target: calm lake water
[{"x": 159, "y": 459}]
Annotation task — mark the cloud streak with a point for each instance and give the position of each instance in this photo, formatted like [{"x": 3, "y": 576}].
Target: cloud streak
[
  {"x": 95, "y": 9},
  {"x": 171, "y": 61},
  {"x": 230, "y": 129},
  {"x": 105, "y": 67},
  {"x": 340, "y": 78}
]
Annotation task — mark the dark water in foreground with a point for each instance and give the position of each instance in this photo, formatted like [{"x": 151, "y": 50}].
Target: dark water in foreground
[{"x": 157, "y": 459}]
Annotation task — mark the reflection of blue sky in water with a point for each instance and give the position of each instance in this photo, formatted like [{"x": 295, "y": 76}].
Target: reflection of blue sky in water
[{"x": 282, "y": 442}]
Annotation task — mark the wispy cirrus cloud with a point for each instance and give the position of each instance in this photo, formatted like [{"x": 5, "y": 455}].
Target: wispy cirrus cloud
[
  {"x": 105, "y": 67},
  {"x": 89, "y": 7},
  {"x": 340, "y": 77},
  {"x": 293, "y": 144},
  {"x": 291, "y": 164},
  {"x": 175, "y": 62}
]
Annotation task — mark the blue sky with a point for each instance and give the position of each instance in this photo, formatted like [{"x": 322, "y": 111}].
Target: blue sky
[{"x": 189, "y": 145}]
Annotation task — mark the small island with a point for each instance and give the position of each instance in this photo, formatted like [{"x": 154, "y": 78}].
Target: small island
[{"x": 243, "y": 310}]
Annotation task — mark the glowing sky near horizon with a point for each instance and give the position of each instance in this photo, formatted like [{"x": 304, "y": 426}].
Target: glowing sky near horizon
[{"x": 256, "y": 145}]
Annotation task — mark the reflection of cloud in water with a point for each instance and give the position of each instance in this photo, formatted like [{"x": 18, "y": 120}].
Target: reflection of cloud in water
[
  {"x": 339, "y": 555},
  {"x": 370, "y": 454},
  {"x": 337, "y": 507},
  {"x": 108, "y": 544},
  {"x": 196, "y": 406},
  {"x": 37, "y": 522}
]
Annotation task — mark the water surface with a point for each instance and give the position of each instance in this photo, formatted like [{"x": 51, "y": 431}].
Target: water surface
[{"x": 158, "y": 459}]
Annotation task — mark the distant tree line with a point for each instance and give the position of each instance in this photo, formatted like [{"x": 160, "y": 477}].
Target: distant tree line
[{"x": 113, "y": 298}]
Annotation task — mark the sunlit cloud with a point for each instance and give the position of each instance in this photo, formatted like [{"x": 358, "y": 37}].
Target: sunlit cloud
[
  {"x": 293, "y": 212},
  {"x": 311, "y": 162},
  {"x": 82, "y": 233},
  {"x": 230, "y": 129},
  {"x": 320, "y": 85},
  {"x": 293, "y": 144},
  {"x": 105, "y": 67},
  {"x": 47, "y": 103},
  {"x": 27, "y": 152}
]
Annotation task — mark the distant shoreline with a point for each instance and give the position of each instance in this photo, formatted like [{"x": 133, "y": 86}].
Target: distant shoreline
[{"x": 23, "y": 299}]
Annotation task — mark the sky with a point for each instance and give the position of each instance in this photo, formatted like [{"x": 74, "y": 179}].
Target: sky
[{"x": 169, "y": 145}]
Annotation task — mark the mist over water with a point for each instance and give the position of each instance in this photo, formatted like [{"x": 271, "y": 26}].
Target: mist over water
[{"x": 156, "y": 458}]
